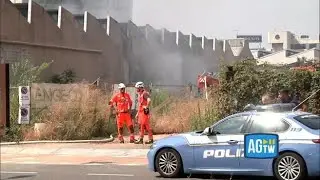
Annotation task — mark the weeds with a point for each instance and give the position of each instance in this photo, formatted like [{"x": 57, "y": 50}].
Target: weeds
[
  {"x": 181, "y": 116},
  {"x": 72, "y": 120},
  {"x": 22, "y": 73}
]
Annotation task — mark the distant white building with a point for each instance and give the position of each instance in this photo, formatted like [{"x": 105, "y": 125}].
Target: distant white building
[
  {"x": 258, "y": 53},
  {"x": 288, "y": 47},
  {"x": 281, "y": 40}
]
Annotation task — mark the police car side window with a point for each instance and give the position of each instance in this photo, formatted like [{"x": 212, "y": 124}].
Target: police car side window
[
  {"x": 232, "y": 125},
  {"x": 260, "y": 125}
]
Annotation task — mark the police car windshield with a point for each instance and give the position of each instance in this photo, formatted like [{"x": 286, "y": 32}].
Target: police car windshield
[{"x": 311, "y": 121}]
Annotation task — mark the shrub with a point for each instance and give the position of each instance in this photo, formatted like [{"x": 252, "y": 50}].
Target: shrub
[
  {"x": 65, "y": 77},
  {"x": 177, "y": 117},
  {"x": 206, "y": 116},
  {"x": 251, "y": 81},
  {"x": 85, "y": 119},
  {"x": 314, "y": 102}
]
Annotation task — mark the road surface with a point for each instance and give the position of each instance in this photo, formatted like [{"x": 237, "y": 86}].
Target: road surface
[
  {"x": 81, "y": 161},
  {"x": 79, "y": 172},
  {"x": 91, "y": 172}
]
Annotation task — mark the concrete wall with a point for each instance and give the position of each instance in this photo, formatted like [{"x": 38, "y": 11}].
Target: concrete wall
[
  {"x": 308, "y": 54},
  {"x": 289, "y": 56},
  {"x": 111, "y": 50},
  {"x": 90, "y": 54},
  {"x": 240, "y": 49},
  {"x": 119, "y": 10}
]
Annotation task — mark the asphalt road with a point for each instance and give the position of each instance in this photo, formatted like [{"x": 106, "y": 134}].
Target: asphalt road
[
  {"x": 87, "y": 172},
  {"x": 79, "y": 172}
]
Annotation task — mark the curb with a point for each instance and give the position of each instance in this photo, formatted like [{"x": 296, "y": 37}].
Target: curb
[{"x": 111, "y": 139}]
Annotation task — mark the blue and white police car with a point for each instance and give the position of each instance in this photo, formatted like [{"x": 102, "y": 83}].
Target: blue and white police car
[{"x": 219, "y": 149}]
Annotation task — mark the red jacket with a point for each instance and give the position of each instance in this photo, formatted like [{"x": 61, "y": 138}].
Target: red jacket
[{"x": 122, "y": 101}]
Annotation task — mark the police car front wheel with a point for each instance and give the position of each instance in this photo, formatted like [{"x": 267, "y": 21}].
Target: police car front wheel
[
  {"x": 289, "y": 166},
  {"x": 168, "y": 163}
]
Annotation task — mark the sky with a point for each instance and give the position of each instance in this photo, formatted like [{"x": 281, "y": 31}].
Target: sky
[{"x": 225, "y": 18}]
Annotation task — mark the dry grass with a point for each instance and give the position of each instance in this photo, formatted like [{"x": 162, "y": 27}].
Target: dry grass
[
  {"x": 179, "y": 116},
  {"x": 84, "y": 119},
  {"x": 90, "y": 117}
]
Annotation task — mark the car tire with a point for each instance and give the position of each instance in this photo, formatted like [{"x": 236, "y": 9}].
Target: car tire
[
  {"x": 163, "y": 159},
  {"x": 282, "y": 162}
]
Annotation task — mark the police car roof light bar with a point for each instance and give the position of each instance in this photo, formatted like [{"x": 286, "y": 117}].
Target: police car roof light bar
[{"x": 305, "y": 100}]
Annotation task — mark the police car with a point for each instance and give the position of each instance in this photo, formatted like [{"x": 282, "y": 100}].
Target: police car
[{"x": 219, "y": 149}]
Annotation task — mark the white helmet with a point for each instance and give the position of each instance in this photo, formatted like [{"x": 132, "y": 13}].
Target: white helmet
[
  {"x": 139, "y": 84},
  {"x": 121, "y": 85}
]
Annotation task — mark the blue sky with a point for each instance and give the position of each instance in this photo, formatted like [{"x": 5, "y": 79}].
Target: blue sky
[{"x": 226, "y": 18}]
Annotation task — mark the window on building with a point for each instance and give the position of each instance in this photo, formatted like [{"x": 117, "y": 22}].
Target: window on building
[
  {"x": 298, "y": 46},
  {"x": 304, "y": 36},
  {"x": 312, "y": 46}
]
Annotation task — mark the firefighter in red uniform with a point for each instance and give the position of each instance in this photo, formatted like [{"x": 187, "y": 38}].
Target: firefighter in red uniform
[
  {"x": 143, "y": 113},
  {"x": 122, "y": 104}
]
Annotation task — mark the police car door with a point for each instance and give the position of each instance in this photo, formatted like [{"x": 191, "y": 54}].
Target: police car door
[
  {"x": 221, "y": 151},
  {"x": 263, "y": 123}
]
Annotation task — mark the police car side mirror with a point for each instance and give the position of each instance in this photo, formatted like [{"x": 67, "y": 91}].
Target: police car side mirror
[{"x": 207, "y": 131}]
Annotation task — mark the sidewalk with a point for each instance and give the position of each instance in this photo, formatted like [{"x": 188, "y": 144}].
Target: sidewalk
[
  {"x": 77, "y": 153},
  {"x": 110, "y": 143}
]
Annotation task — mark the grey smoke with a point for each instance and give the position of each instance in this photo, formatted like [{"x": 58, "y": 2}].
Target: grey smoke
[{"x": 165, "y": 64}]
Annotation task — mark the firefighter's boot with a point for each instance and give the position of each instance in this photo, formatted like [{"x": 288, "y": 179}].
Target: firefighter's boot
[
  {"x": 132, "y": 139},
  {"x": 139, "y": 141},
  {"x": 150, "y": 141}
]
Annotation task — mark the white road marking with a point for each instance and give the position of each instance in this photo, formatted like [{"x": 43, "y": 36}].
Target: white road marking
[
  {"x": 75, "y": 164},
  {"x": 30, "y": 162},
  {"x": 11, "y": 172},
  {"x": 125, "y": 175},
  {"x": 24, "y": 158},
  {"x": 93, "y": 164},
  {"x": 130, "y": 164},
  {"x": 6, "y": 162}
]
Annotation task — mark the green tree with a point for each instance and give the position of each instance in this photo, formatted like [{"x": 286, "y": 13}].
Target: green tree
[
  {"x": 251, "y": 81},
  {"x": 65, "y": 77}
]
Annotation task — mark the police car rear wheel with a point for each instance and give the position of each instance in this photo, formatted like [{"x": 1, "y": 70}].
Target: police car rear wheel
[
  {"x": 168, "y": 163},
  {"x": 289, "y": 166}
]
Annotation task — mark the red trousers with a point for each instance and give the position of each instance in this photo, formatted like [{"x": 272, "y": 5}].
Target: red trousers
[
  {"x": 124, "y": 118},
  {"x": 144, "y": 121}
]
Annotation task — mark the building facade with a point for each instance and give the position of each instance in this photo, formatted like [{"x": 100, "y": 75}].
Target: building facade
[
  {"x": 288, "y": 48},
  {"x": 281, "y": 40}
]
